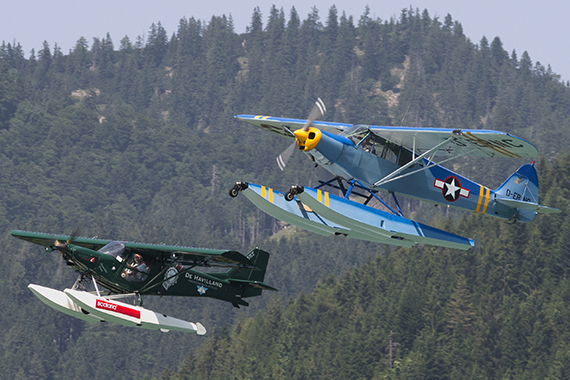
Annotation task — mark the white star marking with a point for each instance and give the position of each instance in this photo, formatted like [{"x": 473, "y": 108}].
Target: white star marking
[
  {"x": 201, "y": 290},
  {"x": 452, "y": 188}
]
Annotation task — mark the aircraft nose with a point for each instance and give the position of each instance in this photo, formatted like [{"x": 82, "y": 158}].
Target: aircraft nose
[{"x": 307, "y": 140}]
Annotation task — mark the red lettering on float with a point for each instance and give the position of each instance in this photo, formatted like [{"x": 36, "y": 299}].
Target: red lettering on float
[{"x": 105, "y": 305}]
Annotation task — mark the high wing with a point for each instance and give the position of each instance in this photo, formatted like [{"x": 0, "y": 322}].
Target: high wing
[
  {"x": 194, "y": 256},
  {"x": 173, "y": 253},
  {"x": 285, "y": 127},
  {"x": 461, "y": 142},
  {"x": 48, "y": 240}
]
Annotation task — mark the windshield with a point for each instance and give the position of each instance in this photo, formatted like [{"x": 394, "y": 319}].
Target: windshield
[
  {"x": 356, "y": 133},
  {"x": 115, "y": 249},
  {"x": 361, "y": 136}
]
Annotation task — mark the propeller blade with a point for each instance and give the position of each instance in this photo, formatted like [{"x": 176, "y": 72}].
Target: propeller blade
[
  {"x": 284, "y": 157},
  {"x": 318, "y": 110},
  {"x": 60, "y": 246},
  {"x": 73, "y": 235},
  {"x": 63, "y": 245}
]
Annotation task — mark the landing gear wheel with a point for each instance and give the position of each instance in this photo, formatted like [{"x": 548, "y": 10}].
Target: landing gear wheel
[
  {"x": 234, "y": 192},
  {"x": 239, "y": 186},
  {"x": 289, "y": 196},
  {"x": 294, "y": 190}
]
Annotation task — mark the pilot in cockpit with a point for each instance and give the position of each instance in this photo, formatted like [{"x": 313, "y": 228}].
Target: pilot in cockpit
[
  {"x": 137, "y": 270},
  {"x": 368, "y": 144}
]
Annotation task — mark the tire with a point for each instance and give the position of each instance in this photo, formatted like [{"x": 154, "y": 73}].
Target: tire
[{"x": 289, "y": 196}]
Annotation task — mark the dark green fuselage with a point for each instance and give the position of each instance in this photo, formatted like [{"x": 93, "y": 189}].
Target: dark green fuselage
[{"x": 163, "y": 278}]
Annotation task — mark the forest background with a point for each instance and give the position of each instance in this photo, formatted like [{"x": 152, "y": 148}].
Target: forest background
[{"x": 139, "y": 143}]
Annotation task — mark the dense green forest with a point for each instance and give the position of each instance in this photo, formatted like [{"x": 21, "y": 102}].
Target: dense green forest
[
  {"x": 424, "y": 313},
  {"x": 138, "y": 142}
]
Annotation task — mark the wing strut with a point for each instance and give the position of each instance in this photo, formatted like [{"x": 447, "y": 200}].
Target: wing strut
[
  {"x": 413, "y": 162},
  {"x": 341, "y": 187},
  {"x": 354, "y": 181},
  {"x": 397, "y": 204},
  {"x": 96, "y": 287},
  {"x": 328, "y": 183},
  {"x": 392, "y": 176},
  {"x": 148, "y": 285}
]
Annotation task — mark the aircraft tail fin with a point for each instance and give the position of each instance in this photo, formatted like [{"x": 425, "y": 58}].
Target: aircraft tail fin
[
  {"x": 253, "y": 278},
  {"x": 520, "y": 191},
  {"x": 522, "y": 185},
  {"x": 259, "y": 258}
]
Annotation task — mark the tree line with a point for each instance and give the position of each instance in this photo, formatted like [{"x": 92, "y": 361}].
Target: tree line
[{"x": 138, "y": 142}]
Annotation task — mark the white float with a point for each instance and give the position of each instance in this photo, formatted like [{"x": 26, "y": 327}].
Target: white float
[{"x": 94, "y": 308}]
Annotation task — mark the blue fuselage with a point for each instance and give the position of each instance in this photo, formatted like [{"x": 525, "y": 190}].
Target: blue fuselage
[{"x": 344, "y": 159}]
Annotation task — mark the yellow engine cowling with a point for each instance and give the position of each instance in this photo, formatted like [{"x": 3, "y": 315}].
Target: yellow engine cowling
[{"x": 307, "y": 140}]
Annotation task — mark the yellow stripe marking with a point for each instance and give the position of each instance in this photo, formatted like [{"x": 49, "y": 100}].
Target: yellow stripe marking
[
  {"x": 486, "y": 201},
  {"x": 263, "y": 191},
  {"x": 271, "y": 195},
  {"x": 325, "y": 201},
  {"x": 481, "y": 191},
  {"x": 490, "y": 145}
]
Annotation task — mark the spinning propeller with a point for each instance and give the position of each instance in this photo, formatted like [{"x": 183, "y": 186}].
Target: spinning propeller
[
  {"x": 62, "y": 246},
  {"x": 306, "y": 137}
]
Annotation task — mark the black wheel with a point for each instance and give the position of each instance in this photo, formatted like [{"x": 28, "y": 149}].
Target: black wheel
[
  {"x": 289, "y": 196},
  {"x": 234, "y": 192}
]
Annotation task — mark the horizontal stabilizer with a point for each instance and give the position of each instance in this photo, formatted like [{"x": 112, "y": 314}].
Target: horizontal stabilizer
[
  {"x": 255, "y": 284},
  {"x": 530, "y": 206}
]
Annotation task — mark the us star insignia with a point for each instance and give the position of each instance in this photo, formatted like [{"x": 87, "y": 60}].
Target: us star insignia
[{"x": 451, "y": 188}]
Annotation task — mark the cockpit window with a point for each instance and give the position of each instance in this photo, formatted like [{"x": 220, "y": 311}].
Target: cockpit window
[
  {"x": 391, "y": 151},
  {"x": 361, "y": 136},
  {"x": 115, "y": 249},
  {"x": 136, "y": 270},
  {"x": 356, "y": 133}
]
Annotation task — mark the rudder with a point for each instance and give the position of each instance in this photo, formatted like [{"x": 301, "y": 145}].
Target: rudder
[
  {"x": 522, "y": 185},
  {"x": 259, "y": 258}
]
